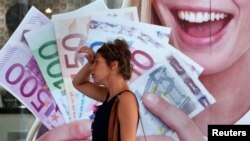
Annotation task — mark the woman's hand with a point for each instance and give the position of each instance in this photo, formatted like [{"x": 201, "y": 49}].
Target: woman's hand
[
  {"x": 173, "y": 118},
  {"x": 90, "y": 55},
  {"x": 79, "y": 130}
]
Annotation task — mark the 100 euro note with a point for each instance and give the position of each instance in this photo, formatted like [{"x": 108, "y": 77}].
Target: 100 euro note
[
  {"x": 71, "y": 35},
  {"x": 22, "y": 76},
  {"x": 45, "y": 52}
]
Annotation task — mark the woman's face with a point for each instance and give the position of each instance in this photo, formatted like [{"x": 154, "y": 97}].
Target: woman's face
[
  {"x": 100, "y": 70},
  {"x": 215, "y": 33}
]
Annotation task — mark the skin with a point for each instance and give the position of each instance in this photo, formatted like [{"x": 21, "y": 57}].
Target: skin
[
  {"x": 77, "y": 130},
  {"x": 112, "y": 82},
  {"x": 221, "y": 52},
  {"x": 226, "y": 73},
  {"x": 80, "y": 130}
]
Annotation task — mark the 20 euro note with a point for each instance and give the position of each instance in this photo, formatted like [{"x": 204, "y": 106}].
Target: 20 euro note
[
  {"x": 21, "y": 76},
  {"x": 45, "y": 52},
  {"x": 162, "y": 80},
  {"x": 187, "y": 69},
  {"x": 71, "y": 34}
]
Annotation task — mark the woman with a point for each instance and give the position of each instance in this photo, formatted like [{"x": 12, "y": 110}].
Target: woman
[
  {"x": 109, "y": 68},
  {"x": 215, "y": 31}
]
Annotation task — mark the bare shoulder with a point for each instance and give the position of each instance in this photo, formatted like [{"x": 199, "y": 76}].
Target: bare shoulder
[
  {"x": 128, "y": 98},
  {"x": 128, "y": 107}
]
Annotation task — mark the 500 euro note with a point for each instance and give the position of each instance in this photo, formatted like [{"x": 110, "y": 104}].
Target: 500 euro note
[
  {"x": 21, "y": 75},
  {"x": 45, "y": 52},
  {"x": 71, "y": 34}
]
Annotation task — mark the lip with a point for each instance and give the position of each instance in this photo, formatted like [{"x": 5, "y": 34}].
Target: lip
[{"x": 199, "y": 42}]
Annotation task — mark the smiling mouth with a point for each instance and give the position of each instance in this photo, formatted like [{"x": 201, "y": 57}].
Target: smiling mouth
[{"x": 202, "y": 24}]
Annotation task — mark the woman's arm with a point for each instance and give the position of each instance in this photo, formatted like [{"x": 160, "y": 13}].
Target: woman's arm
[
  {"x": 81, "y": 80},
  {"x": 128, "y": 116}
]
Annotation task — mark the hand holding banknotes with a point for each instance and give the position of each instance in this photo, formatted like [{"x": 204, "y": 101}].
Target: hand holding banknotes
[
  {"x": 172, "y": 117},
  {"x": 77, "y": 130}
]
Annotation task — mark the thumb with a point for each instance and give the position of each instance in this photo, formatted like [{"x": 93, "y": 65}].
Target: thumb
[{"x": 172, "y": 117}]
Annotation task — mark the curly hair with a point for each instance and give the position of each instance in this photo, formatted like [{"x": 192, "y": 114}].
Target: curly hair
[{"x": 118, "y": 50}]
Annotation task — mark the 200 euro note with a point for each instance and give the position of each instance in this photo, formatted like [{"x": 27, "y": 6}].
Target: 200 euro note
[
  {"x": 152, "y": 48},
  {"x": 45, "y": 52},
  {"x": 194, "y": 68},
  {"x": 146, "y": 51},
  {"x": 71, "y": 34},
  {"x": 151, "y": 35},
  {"x": 22, "y": 76}
]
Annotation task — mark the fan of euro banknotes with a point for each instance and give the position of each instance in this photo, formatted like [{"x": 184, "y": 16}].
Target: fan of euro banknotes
[{"x": 39, "y": 61}]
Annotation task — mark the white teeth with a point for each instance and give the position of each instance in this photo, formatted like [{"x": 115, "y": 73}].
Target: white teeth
[{"x": 200, "y": 17}]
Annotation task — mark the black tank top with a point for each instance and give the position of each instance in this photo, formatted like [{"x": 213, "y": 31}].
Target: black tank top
[{"x": 101, "y": 121}]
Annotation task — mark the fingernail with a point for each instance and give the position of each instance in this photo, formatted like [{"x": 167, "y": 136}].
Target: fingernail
[{"x": 151, "y": 98}]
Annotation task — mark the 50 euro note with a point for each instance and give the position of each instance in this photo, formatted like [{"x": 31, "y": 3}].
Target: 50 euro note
[
  {"x": 45, "y": 52},
  {"x": 75, "y": 36},
  {"x": 71, "y": 34},
  {"x": 21, "y": 75}
]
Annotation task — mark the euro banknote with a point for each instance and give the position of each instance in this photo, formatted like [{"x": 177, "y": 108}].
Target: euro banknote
[
  {"x": 21, "y": 75},
  {"x": 162, "y": 80},
  {"x": 45, "y": 52},
  {"x": 71, "y": 33},
  {"x": 149, "y": 48},
  {"x": 23, "y": 79},
  {"x": 65, "y": 23}
]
